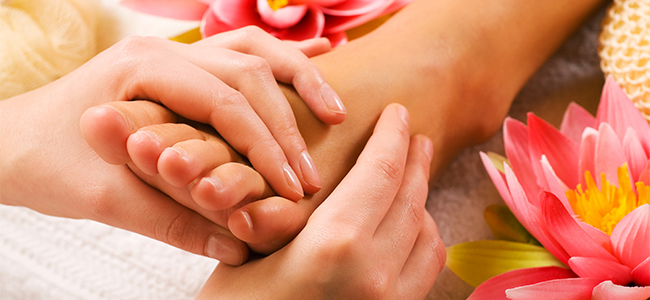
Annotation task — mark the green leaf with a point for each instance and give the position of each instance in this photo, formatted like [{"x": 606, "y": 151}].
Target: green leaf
[
  {"x": 476, "y": 262},
  {"x": 497, "y": 161},
  {"x": 505, "y": 226}
]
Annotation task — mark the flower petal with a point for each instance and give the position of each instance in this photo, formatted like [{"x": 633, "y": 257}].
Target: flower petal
[
  {"x": 356, "y": 7},
  {"x": 616, "y": 109},
  {"x": 282, "y": 18},
  {"x": 587, "y": 154},
  {"x": 561, "y": 151},
  {"x": 495, "y": 288},
  {"x": 531, "y": 217},
  {"x": 498, "y": 179},
  {"x": 575, "y": 120},
  {"x": 311, "y": 26},
  {"x": 607, "y": 290},
  {"x": 515, "y": 139},
  {"x": 554, "y": 185},
  {"x": 505, "y": 226},
  {"x": 596, "y": 268},
  {"x": 609, "y": 154},
  {"x": 565, "y": 289},
  {"x": 337, "y": 38},
  {"x": 176, "y": 9},
  {"x": 566, "y": 231},
  {"x": 631, "y": 237},
  {"x": 238, "y": 13},
  {"x": 335, "y": 24},
  {"x": 641, "y": 273},
  {"x": 476, "y": 262},
  {"x": 636, "y": 157},
  {"x": 645, "y": 175}
]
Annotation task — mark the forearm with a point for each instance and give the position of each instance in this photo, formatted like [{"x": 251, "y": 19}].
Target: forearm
[{"x": 455, "y": 67}]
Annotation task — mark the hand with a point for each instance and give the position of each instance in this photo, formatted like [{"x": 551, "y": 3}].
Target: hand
[
  {"x": 47, "y": 165},
  {"x": 370, "y": 239},
  {"x": 229, "y": 82}
]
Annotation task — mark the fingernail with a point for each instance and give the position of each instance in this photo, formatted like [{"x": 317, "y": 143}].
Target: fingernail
[
  {"x": 331, "y": 99},
  {"x": 126, "y": 119},
  {"x": 214, "y": 182},
  {"x": 292, "y": 179},
  {"x": 145, "y": 134},
  {"x": 308, "y": 168},
  {"x": 181, "y": 152},
  {"x": 427, "y": 147},
  {"x": 403, "y": 114},
  {"x": 224, "y": 249},
  {"x": 248, "y": 219}
]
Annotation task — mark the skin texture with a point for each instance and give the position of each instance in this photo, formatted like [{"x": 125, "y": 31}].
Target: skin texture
[
  {"x": 49, "y": 167},
  {"x": 372, "y": 238},
  {"x": 456, "y": 69}
]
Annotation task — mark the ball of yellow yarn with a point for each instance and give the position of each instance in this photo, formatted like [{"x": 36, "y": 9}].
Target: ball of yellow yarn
[
  {"x": 43, "y": 40},
  {"x": 625, "y": 49}
]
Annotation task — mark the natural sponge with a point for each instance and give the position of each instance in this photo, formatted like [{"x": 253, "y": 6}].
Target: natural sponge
[
  {"x": 43, "y": 40},
  {"x": 625, "y": 49}
]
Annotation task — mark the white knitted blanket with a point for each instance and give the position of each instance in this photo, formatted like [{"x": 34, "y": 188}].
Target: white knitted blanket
[{"x": 43, "y": 257}]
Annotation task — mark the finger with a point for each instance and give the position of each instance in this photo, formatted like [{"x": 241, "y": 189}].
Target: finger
[
  {"x": 269, "y": 224},
  {"x": 253, "y": 78},
  {"x": 107, "y": 127},
  {"x": 198, "y": 95},
  {"x": 188, "y": 160},
  {"x": 147, "y": 144},
  {"x": 363, "y": 197},
  {"x": 312, "y": 47},
  {"x": 289, "y": 65},
  {"x": 424, "y": 263},
  {"x": 402, "y": 223},
  {"x": 150, "y": 213},
  {"x": 228, "y": 185}
]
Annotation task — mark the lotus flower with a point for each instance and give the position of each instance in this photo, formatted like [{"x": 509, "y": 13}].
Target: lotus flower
[
  {"x": 285, "y": 19},
  {"x": 599, "y": 228}
]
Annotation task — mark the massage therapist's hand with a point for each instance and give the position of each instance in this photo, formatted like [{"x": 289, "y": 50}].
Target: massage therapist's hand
[
  {"x": 372, "y": 238},
  {"x": 46, "y": 165},
  {"x": 229, "y": 82}
]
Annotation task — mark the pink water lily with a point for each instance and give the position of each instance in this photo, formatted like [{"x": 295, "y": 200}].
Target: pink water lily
[
  {"x": 285, "y": 19},
  {"x": 598, "y": 226}
]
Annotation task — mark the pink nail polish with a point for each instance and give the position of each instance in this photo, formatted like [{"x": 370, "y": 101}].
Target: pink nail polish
[
  {"x": 308, "y": 168},
  {"x": 224, "y": 249},
  {"x": 331, "y": 99},
  {"x": 292, "y": 179}
]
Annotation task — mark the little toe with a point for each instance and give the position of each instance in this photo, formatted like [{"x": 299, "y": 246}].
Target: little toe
[{"x": 230, "y": 185}]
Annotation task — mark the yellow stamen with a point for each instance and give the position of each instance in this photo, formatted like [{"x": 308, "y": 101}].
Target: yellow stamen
[
  {"x": 606, "y": 207},
  {"x": 277, "y": 4}
]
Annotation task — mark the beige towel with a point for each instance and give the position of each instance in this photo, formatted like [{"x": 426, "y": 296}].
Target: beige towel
[{"x": 43, "y": 40}]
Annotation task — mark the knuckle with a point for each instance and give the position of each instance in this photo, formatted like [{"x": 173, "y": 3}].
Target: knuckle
[
  {"x": 99, "y": 205},
  {"x": 257, "y": 67},
  {"x": 376, "y": 285},
  {"x": 176, "y": 230},
  {"x": 389, "y": 170},
  {"x": 340, "y": 249}
]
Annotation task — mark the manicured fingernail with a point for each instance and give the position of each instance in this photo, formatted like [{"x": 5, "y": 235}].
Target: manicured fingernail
[
  {"x": 403, "y": 114},
  {"x": 224, "y": 249},
  {"x": 331, "y": 99},
  {"x": 427, "y": 147},
  {"x": 292, "y": 179},
  {"x": 308, "y": 169}
]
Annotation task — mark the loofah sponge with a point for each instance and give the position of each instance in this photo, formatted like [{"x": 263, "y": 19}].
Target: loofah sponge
[
  {"x": 625, "y": 49},
  {"x": 43, "y": 40}
]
